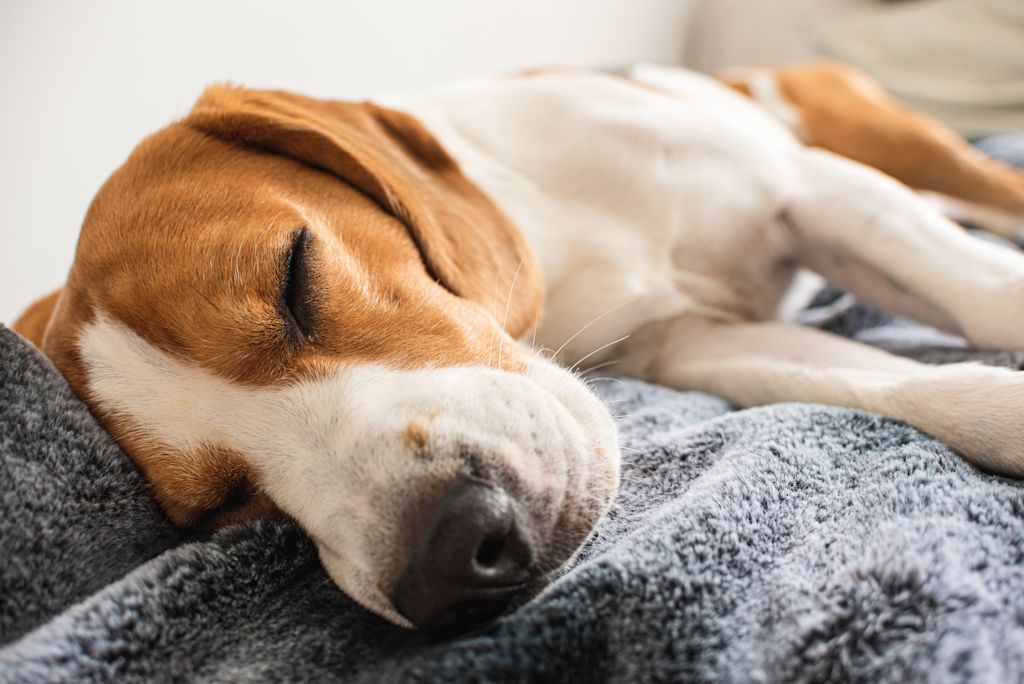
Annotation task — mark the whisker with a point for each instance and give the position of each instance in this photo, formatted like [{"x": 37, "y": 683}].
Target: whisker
[
  {"x": 238, "y": 261},
  {"x": 591, "y": 498},
  {"x": 597, "y": 380},
  {"x": 508, "y": 304},
  {"x": 208, "y": 300},
  {"x": 494, "y": 297},
  {"x": 602, "y": 347},
  {"x": 600, "y": 365},
  {"x": 536, "y": 325},
  {"x": 578, "y": 332},
  {"x": 592, "y": 381}
]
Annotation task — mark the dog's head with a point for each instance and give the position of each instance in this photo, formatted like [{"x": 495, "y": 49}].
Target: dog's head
[{"x": 280, "y": 303}]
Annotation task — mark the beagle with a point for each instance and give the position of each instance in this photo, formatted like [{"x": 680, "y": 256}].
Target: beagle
[{"x": 332, "y": 310}]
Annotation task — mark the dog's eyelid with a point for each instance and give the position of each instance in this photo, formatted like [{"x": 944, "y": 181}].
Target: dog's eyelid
[{"x": 295, "y": 300}]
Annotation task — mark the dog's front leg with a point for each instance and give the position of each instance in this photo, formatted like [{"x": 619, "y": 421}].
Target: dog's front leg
[{"x": 977, "y": 410}]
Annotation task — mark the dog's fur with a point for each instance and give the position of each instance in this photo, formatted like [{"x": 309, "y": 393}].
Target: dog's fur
[{"x": 667, "y": 213}]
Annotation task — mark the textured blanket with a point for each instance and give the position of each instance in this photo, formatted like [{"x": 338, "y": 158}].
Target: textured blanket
[{"x": 787, "y": 543}]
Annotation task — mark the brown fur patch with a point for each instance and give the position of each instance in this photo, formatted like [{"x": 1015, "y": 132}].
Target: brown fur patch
[
  {"x": 410, "y": 264},
  {"x": 415, "y": 437},
  {"x": 205, "y": 488}
]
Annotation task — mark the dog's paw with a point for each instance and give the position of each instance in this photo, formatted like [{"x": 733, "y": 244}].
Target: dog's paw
[{"x": 977, "y": 410}]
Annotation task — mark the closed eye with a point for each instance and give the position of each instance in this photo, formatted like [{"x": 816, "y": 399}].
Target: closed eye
[{"x": 296, "y": 301}]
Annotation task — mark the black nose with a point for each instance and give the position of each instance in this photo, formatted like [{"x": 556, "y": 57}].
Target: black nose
[{"x": 470, "y": 560}]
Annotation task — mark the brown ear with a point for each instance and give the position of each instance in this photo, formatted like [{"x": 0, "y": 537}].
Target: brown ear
[
  {"x": 468, "y": 244},
  {"x": 32, "y": 324}
]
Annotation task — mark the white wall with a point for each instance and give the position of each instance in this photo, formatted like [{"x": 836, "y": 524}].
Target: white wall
[
  {"x": 82, "y": 81},
  {"x": 730, "y": 32}
]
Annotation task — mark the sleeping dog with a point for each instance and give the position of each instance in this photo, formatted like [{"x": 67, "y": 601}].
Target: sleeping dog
[{"x": 332, "y": 310}]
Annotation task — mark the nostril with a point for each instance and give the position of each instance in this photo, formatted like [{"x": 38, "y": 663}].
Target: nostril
[
  {"x": 489, "y": 553},
  {"x": 502, "y": 559}
]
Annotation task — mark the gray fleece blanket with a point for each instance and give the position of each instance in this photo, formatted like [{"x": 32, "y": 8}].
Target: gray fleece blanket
[{"x": 787, "y": 543}]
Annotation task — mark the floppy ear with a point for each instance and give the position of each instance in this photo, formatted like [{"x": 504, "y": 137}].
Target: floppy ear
[
  {"x": 467, "y": 243},
  {"x": 32, "y": 324}
]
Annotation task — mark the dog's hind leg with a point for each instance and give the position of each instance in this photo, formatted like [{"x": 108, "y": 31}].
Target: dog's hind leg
[
  {"x": 977, "y": 410},
  {"x": 838, "y": 108},
  {"x": 874, "y": 237}
]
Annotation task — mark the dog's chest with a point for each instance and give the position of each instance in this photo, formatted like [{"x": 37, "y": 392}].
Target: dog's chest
[{"x": 639, "y": 205}]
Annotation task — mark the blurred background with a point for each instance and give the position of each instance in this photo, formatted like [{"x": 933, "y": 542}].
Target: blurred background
[{"x": 83, "y": 82}]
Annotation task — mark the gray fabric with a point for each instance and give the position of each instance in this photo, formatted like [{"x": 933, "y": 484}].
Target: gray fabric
[
  {"x": 1009, "y": 147},
  {"x": 787, "y": 543},
  {"x": 74, "y": 513}
]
